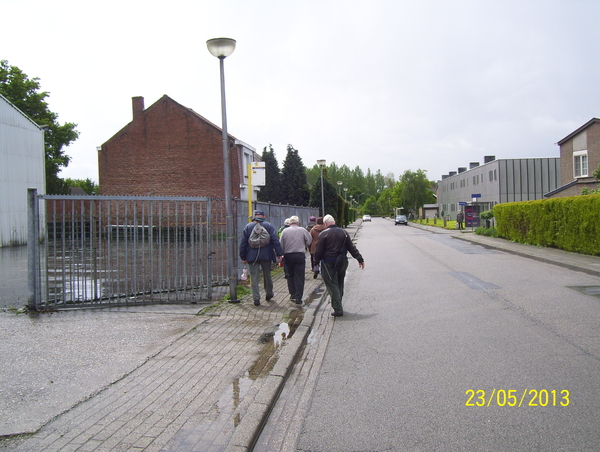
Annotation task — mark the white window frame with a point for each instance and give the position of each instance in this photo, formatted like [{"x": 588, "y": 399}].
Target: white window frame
[{"x": 580, "y": 164}]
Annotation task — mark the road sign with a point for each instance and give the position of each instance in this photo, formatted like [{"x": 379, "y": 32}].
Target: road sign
[
  {"x": 477, "y": 195},
  {"x": 462, "y": 203}
]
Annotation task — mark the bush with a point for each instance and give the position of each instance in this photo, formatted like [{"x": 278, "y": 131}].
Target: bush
[
  {"x": 488, "y": 232},
  {"x": 569, "y": 223}
]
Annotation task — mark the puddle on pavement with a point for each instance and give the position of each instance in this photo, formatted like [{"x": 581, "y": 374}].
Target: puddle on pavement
[{"x": 229, "y": 409}]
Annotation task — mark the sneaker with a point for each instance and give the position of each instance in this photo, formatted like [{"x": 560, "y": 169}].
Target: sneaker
[
  {"x": 337, "y": 313},
  {"x": 256, "y": 302}
]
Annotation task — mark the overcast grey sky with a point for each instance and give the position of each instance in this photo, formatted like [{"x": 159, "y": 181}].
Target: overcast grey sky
[{"x": 382, "y": 84}]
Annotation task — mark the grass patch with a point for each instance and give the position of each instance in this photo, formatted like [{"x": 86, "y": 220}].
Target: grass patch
[
  {"x": 241, "y": 291},
  {"x": 488, "y": 232}
]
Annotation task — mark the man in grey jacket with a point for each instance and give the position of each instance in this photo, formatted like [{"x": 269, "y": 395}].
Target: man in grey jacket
[{"x": 294, "y": 241}]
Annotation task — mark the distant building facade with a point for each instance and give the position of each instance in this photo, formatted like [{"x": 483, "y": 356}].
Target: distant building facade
[
  {"x": 579, "y": 157},
  {"x": 22, "y": 166},
  {"x": 170, "y": 150},
  {"x": 497, "y": 181}
]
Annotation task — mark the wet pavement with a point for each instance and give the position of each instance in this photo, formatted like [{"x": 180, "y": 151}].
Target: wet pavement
[
  {"x": 173, "y": 378},
  {"x": 164, "y": 377}
]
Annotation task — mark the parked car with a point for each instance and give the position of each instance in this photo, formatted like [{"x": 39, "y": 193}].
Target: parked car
[
  {"x": 366, "y": 218},
  {"x": 401, "y": 219}
]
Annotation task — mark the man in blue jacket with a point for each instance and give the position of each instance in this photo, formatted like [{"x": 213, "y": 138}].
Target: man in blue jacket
[{"x": 260, "y": 258}]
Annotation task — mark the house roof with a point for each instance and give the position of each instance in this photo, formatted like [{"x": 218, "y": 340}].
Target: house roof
[
  {"x": 581, "y": 129},
  {"x": 559, "y": 189},
  {"x": 195, "y": 114},
  {"x": 164, "y": 96}
]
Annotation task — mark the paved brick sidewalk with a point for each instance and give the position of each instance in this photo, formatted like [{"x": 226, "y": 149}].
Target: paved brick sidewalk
[{"x": 200, "y": 393}]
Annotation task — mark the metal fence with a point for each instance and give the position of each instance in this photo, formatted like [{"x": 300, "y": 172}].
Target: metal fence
[{"x": 125, "y": 250}]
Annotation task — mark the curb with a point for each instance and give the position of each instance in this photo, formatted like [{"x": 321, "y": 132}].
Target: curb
[{"x": 249, "y": 429}]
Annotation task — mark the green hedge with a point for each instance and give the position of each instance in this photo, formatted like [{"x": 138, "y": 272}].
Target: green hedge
[{"x": 571, "y": 224}]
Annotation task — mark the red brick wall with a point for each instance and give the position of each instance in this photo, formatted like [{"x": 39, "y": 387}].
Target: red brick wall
[{"x": 167, "y": 150}]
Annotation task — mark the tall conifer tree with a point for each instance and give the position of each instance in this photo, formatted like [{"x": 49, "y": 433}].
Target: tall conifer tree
[
  {"x": 293, "y": 179},
  {"x": 271, "y": 192}
]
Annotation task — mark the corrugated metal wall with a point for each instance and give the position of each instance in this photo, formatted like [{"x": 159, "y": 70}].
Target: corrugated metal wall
[{"x": 21, "y": 167}]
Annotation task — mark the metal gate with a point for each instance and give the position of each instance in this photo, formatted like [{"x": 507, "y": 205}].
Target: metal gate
[{"x": 109, "y": 250}]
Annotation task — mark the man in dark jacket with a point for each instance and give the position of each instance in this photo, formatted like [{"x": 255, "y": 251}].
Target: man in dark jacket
[
  {"x": 332, "y": 247},
  {"x": 260, "y": 258}
]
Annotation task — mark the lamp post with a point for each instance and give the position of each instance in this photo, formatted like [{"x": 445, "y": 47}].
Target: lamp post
[
  {"x": 339, "y": 187},
  {"x": 222, "y": 48},
  {"x": 321, "y": 164},
  {"x": 345, "y": 193}
]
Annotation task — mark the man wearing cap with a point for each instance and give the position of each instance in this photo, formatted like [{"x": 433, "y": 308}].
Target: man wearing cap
[
  {"x": 311, "y": 223},
  {"x": 294, "y": 241},
  {"x": 332, "y": 248},
  {"x": 260, "y": 258}
]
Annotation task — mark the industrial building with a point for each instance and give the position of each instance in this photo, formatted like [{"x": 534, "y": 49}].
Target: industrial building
[
  {"x": 21, "y": 167},
  {"x": 480, "y": 187}
]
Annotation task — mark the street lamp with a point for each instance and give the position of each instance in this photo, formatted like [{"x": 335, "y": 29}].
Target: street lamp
[
  {"x": 321, "y": 164},
  {"x": 222, "y": 48},
  {"x": 345, "y": 193},
  {"x": 339, "y": 187}
]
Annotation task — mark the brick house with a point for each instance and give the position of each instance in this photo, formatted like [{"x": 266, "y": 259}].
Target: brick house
[
  {"x": 579, "y": 158},
  {"x": 170, "y": 150}
]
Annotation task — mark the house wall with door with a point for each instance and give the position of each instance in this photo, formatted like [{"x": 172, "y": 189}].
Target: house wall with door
[
  {"x": 21, "y": 167},
  {"x": 170, "y": 150}
]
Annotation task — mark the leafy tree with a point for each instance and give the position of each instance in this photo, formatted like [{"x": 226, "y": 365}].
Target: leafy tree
[
  {"x": 329, "y": 196},
  {"x": 358, "y": 180},
  {"x": 415, "y": 189},
  {"x": 371, "y": 187},
  {"x": 293, "y": 179},
  {"x": 313, "y": 174},
  {"x": 25, "y": 94},
  {"x": 386, "y": 201},
  {"x": 271, "y": 192},
  {"x": 87, "y": 185},
  {"x": 372, "y": 206}
]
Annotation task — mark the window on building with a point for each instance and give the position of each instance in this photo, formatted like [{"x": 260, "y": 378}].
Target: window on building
[{"x": 580, "y": 164}]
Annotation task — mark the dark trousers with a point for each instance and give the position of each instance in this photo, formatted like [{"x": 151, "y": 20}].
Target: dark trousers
[
  {"x": 334, "y": 281},
  {"x": 295, "y": 267}
]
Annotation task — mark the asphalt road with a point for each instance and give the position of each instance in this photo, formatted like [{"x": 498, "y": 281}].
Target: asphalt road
[{"x": 430, "y": 324}]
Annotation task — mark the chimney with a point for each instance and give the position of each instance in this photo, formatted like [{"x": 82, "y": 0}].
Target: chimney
[
  {"x": 462, "y": 169},
  {"x": 138, "y": 105},
  {"x": 473, "y": 165},
  {"x": 489, "y": 158}
]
